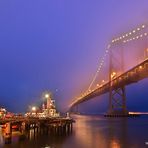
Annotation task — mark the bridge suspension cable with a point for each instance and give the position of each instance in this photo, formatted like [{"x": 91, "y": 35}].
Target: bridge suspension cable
[
  {"x": 122, "y": 39},
  {"x": 99, "y": 68}
]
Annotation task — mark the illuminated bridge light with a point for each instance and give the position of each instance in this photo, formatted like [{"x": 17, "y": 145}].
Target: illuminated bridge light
[
  {"x": 143, "y": 26},
  {"x": 129, "y": 33},
  {"x": 140, "y": 67},
  {"x": 113, "y": 41},
  {"x": 134, "y": 31},
  {"x": 138, "y": 29},
  {"x": 97, "y": 85},
  {"x": 113, "y": 74}
]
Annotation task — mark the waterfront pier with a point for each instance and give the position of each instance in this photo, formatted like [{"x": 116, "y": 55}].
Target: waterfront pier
[{"x": 54, "y": 126}]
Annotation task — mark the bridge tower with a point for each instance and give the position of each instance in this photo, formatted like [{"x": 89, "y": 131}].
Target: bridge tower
[{"x": 117, "y": 96}]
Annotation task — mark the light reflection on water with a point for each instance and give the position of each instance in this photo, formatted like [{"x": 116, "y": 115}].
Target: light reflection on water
[{"x": 91, "y": 132}]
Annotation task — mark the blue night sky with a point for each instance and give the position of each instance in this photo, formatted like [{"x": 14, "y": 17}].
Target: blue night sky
[{"x": 55, "y": 45}]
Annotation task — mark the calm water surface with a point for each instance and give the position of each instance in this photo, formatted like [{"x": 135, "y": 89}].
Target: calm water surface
[{"x": 92, "y": 132}]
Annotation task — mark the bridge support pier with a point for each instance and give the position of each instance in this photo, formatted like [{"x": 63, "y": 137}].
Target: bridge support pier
[{"x": 117, "y": 102}]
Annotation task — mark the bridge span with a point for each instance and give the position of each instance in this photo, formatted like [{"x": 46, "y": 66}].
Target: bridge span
[
  {"x": 130, "y": 47},
  {"x": 137, "y": 73}
]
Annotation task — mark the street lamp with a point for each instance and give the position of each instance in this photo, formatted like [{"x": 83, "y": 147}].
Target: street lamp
[
  {"x": 33, "y": 108},
  {"x": 47, "y": 96}
]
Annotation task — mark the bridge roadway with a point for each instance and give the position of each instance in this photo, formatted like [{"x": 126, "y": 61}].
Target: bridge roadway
[{"x": 133, "y": 75}]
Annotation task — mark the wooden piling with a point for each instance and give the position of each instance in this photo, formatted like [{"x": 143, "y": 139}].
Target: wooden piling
[{"x": 8, "y": 133}]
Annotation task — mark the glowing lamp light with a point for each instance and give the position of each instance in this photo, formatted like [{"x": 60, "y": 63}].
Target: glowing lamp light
[
  {"x": 138, "y": 29},
  {"x": 33, "y": 108},
  {"x": 113, "y": 74},
  {"x": 47, "y": 95},
  {"x": 130, "y": 33},
  {"x": 140, "y": 67},
  {"x": 143, "y": 26},
  {"x": 3, "y": 109},
  {"x": 113, "y": 41}
]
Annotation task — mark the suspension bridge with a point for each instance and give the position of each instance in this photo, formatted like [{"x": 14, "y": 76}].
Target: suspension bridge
[{"x": 124, "y": 62}]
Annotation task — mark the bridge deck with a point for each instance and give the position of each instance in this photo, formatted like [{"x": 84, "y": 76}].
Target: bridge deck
[{"x": 133, "y": 75}]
